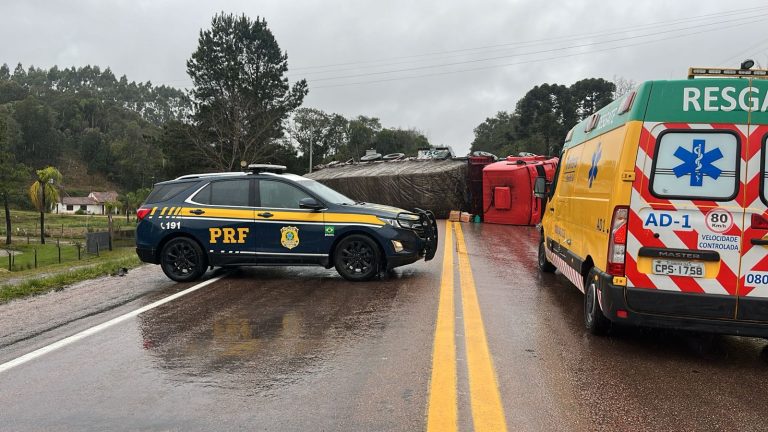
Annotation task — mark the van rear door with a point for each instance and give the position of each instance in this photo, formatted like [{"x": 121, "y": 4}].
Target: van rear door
[
  {"x": 753, "y": 290},
  {"x": 686, "y": 209}
]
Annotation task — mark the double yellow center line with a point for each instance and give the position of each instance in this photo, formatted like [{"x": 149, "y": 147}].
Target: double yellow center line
[{"x": 485, "y": 399}]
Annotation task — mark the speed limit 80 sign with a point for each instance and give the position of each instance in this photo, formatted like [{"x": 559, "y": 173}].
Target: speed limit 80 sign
[{"x": 719, "y": 220}]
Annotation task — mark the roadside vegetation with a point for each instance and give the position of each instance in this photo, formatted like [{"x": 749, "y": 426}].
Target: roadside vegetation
[{"x": 109, "y": 264}]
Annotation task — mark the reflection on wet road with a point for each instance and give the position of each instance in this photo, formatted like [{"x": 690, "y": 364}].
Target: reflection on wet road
[{"x": 302, "y": 349}]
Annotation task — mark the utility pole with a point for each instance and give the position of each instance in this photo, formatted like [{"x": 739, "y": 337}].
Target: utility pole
[{"x": 310, "y": 150}]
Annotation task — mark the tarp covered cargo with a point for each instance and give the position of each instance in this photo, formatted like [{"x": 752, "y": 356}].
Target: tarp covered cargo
[{"x": 437, "y": 185}]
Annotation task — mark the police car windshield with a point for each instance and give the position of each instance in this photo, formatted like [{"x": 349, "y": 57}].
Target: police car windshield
[{"x": 325, "y": 193}]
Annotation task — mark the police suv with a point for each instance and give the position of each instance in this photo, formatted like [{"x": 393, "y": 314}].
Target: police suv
[{"x": 264, "y": 217}]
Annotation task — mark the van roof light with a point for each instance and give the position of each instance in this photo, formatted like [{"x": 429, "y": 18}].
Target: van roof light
[
  {"x": 592, "y": 123},
  {"x": 627, "y": 104},
  {"x": 726, "y": 72}
]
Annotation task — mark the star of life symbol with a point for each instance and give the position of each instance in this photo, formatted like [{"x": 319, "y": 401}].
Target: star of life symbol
[
  {"x": 697, "y": 163},
  {"x": 595, "y": 160}
]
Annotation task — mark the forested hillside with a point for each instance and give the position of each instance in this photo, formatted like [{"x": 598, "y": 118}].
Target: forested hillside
[{"x": 114, "y": 129}]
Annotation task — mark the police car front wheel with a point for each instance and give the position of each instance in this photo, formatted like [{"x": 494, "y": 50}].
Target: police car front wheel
[
  {"x": 357, "y": 258},
  {"x": 182, "y": 260}
]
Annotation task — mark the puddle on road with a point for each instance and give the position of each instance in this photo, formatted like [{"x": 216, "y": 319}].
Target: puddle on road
[{"x": 261, "y": 329}]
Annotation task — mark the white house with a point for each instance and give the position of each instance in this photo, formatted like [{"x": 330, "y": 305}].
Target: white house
[{"x": 94, "y": 203}]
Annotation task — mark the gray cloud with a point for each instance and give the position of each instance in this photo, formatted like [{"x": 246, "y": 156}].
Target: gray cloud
[{"x": 151, "y": 40}]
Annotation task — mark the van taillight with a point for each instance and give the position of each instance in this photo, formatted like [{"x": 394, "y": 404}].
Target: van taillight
[
  {"x": 759, "y": 222},
  {"x": 617, "y": 243},
  {"x": 142, "y": 213}
]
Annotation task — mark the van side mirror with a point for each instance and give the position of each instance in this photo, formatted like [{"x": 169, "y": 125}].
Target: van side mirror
[
  {"x": 540, "y": 187},
  {"x": 310, "y": 203}
]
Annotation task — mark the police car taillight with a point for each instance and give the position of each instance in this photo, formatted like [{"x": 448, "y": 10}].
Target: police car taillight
[
  {"x": 142, "y": 213},
  {"x": 617, "y": 243}
]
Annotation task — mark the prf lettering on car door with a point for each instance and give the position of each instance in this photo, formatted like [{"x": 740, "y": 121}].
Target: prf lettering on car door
[{"x": 228, "y": 235}]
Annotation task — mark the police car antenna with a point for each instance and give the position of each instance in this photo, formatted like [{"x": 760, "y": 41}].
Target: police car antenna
[{"x": 266, "y": 168}]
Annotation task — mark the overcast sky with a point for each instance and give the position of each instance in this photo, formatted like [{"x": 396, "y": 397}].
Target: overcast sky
[{"x": 438, "y": 66}]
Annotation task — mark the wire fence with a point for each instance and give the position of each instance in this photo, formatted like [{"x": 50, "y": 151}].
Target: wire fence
[{"x": 23, "y": 256}]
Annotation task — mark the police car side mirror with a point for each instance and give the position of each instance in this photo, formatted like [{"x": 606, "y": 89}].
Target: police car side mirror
[
  {"x": 310, "y": 203},
  {"x": 540, "y": 187}
]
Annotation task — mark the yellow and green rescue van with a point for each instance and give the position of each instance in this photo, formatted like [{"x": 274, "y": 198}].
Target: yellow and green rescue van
[{"x": 659, "y": 208}]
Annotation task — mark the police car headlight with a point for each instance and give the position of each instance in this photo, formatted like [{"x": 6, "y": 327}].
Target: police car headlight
[
  {"x": 392, "y": 222},
  {"x": 402, "y": 222}
]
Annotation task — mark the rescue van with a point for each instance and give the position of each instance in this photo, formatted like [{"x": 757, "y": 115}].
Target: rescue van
[{"x": 658, "y": 211}]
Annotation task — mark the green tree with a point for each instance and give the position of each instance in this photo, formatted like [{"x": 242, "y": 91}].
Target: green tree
[
  {"x": 497, "y": 135},
  {"x": 396, "y": 140},
  {"x": 178, "y": 153},
  {"x": 131, "y": 201},
  {"x": 326, "y": 133},
  {"x": 40, "y": 140},
  {"x": 591, "y": 94},
  {"x": 546, "y": 113},
  {"x": 13, "y": 176},
  {"x": 241, "y": 93},
  {"x": 361, "y": 132},
  {"x": 44, "y": 192}
]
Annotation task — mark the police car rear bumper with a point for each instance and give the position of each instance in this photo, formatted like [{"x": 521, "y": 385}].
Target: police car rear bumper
[
  {"x": 674, "y": 310},
  {"x": 147, "y": 255}
]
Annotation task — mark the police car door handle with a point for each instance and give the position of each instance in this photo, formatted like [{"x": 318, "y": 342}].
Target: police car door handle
[
  {"x": 265, "y": 215},
  {"x": 759, "y": 241},
  {"x": 197, "y": 211}
]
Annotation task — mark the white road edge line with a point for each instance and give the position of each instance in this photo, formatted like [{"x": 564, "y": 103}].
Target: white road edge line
[{"x": 93, "y": 330}]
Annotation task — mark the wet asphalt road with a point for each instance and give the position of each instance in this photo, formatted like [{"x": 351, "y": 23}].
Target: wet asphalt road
[{"x": 283, "y": 349}]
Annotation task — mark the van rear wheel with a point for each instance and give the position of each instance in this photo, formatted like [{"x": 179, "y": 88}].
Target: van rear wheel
[
  {"x": 544, "y": 265},
  {"x": 594, "y": 320}
]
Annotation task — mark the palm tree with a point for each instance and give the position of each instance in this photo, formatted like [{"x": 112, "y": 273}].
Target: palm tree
[{"x": 44, "y": 192}]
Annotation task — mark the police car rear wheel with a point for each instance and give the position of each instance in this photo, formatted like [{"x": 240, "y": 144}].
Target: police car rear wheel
[
  {"x": 544, "y": 264},
  {"x": 594, "y": 320},
  {"x": 357, "y": 258},
  {"x": 182, "y": 260}
]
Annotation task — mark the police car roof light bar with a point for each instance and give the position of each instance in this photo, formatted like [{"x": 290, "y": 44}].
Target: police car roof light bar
[
  {"x": 726, "y": 72},
  {"x": 266, "y": 168}
]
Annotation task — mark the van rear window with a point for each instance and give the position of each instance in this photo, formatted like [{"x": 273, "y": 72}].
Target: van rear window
[{"x": 696, "y": 165}]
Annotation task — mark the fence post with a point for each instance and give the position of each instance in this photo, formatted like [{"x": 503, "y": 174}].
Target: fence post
[
  {"x": 58, "y": 247},
  {"x": 97, "y": 248},
  {"x": 10, "y": 264},
  {"x": 78, "y": 251},
  {"x": 35, "y": 249}
]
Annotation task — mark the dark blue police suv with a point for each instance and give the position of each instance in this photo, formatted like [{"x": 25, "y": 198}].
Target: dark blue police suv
[{"x": 264, "y": 217}]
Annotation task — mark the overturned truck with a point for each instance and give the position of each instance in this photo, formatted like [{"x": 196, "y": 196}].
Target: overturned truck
[{"x": 436, "y": 185}]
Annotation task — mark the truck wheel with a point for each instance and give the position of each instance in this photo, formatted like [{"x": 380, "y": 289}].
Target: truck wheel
[
  {"x": 544, "y": 265},
  {"x": 357, "y": 258},
  {"x": 182, "y": 260},
  {"x": 594, "y": 320}
]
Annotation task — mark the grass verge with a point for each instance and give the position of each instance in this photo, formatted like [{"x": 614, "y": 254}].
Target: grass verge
[{"x": 36, "y": 286}]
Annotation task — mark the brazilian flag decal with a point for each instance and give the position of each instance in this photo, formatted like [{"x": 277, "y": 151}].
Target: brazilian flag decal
[{"x": 330, "y": 230}]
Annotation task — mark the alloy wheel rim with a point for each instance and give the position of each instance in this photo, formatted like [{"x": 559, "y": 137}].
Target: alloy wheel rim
[
  {"x": 181, "y": 259},
  {"x": 357, "y": 257}
]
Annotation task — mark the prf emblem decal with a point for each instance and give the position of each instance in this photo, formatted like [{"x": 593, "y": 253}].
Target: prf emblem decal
[
  {"x": 330, "y": 230},
  {"x": 289, "y": 237}
]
